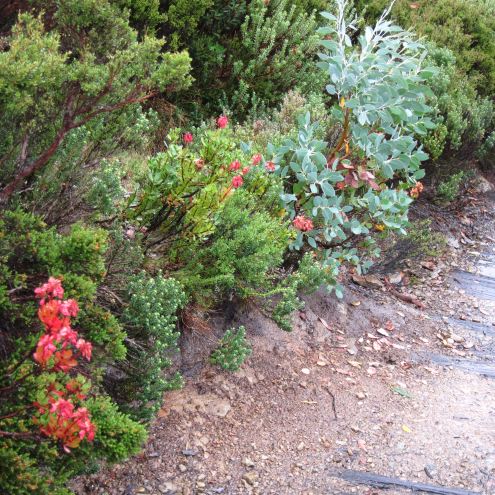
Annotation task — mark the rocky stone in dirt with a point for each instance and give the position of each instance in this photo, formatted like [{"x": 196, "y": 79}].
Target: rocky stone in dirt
[
  {"x": 250, "y": 477},
  {"x": 482, "y": 185},
  {"x": 395, "y": 278},
  {"x": 453, "y": 242},
  {"x": 189, "y": 452},
  {"x": 219, "y": 408},
  {"x": 168, "y": 488},
  {"x": 368, "y": 281},
  {"x": 248, "y": 462},
  {"x": 431, "y": 471}
]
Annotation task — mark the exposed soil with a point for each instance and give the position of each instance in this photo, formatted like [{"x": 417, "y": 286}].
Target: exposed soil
[{"x": 370, "y": 383}]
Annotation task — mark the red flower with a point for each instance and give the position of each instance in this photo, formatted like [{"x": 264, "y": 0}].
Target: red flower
[
  {"x": 302, "y": 223},
  {"x": 69, "y": 308},
  {"x": 270, "y": 166},
  {"x": 87, "y": 429},
  {"x": 416, "y": 190},
  {"x": 53, "y": 288},
  {"x": 63, "y": 407},
  {"x": 256, "y": 159},
  {"x": 85, "y": 348},
  {"x": 245, "y": 170},
  {"x": 222, "y": 122},
  {"x": 64, "y": 360},
  {"x": 49, "y": 314},
  {"x": 237, "y": 181},
  {"x": 235, "y": 165},
  {"x": 44, "y": 349},
  {"x": 187, "y": 138},
  {"x": 66, "y": 336}
]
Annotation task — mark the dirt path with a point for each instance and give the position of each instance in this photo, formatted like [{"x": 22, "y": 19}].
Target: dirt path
[{"x": 369, "y": 384}]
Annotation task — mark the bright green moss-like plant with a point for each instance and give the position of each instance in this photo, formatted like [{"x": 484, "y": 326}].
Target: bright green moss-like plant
[
  {"x": 232, "y": 351},
  {"x": 448, "y": 189}
]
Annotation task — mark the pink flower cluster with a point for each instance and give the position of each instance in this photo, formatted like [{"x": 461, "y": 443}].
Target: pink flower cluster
[
  {"x": 55, "y": 347},
  {"x": 64, "y": 422},
  {"x": 238, "y": 181},
  {"x": 222, "y": 122},
  {"x": 187, "y": 138},
  {"x": 302, "y": 223},
  {"x": 61, "y": 420}
]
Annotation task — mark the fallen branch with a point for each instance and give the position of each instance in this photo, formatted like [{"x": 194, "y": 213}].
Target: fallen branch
[
  {"x": 379, "y": 481},
  {"x": 408, "y": 298}
]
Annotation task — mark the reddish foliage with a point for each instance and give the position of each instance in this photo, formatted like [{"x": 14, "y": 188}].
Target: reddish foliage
[{"x": 59, "y": 418}]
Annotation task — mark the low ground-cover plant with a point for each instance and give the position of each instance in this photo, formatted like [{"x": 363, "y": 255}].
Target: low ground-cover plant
[
  {"x": 232, "y": 351},
  {"x": 449, "y": 189}
]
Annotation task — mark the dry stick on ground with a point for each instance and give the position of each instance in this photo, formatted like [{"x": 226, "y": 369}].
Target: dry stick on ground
[
  {"x": 387, "y": 482},
  {"x": 409, "y": 298},
  {"x": 334, "y": 408}
]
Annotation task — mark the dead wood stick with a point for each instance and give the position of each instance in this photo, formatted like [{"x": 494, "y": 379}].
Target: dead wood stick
[{"x": 379, "y": 481}]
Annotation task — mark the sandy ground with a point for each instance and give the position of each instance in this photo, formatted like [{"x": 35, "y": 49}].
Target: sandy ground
[{"x": 370, "y": 383}]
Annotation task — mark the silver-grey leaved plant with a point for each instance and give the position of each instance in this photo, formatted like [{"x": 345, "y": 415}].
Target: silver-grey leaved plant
[{"x": 363, "y": 181}]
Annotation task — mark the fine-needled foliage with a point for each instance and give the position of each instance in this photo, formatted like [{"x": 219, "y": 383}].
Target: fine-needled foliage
[
  {"x": 53, "y": 83},
  {"x": 232, "y": 351}
]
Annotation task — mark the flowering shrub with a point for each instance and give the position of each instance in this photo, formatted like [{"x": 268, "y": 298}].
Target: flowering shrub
[
  {"x": 338, "y": 193},
  {"x": 232, "y": 351},
  {"x": 222, "y": 122},
  {"x": 59, "y": 419},
  {"x": 47, "y": 405},
  {"x": 186, "y": 186},
  {"x": 187, "y": 138}
]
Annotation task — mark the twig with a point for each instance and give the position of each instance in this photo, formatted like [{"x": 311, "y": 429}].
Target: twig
[
  {"x": 334, "y": 408},
  {"x": 409, "y": 298}
]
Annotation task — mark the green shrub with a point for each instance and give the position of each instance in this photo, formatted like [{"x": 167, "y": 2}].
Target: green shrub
[
  {"x": 275, "y": 53},
  {"x": 118, "y": 436},
  {"x": 232, "y": 350},
  {"x": 246, "y": 55},
  {"x": 448, "y": 189},
  {"x": 150, "y": 320},
  {"x": 465, "y": 27},
  {"x": 337, "y": 194},
  {"x": 30, "y": 252},
  {"x": 239, "y": 257},
  {"x": 486, "y": 153},
  {"x": 72, "y": 78},
  {"x": 21, "y": 476},
  {"x": 464, "y": 117}
]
